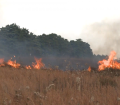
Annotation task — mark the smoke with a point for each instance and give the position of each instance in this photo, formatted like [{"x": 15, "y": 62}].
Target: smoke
[{"x": 103, "y": 36}]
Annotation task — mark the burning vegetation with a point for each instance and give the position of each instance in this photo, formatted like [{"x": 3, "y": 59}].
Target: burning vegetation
[
  {"x": 48, "y": 86},
  {"x": 35, "y": 65},
  {"x": 108, "y": 64},
  {"x": 56, "y": 87},
  {"x": 42, "y": 86}
]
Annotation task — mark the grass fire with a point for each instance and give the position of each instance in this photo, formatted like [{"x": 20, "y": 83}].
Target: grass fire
[
  {"x": 48, "y": 69},
  {"x": 36, "y": 65},
  {"x": 110, "y": 63},
  {"x": 42, "y": 86}
]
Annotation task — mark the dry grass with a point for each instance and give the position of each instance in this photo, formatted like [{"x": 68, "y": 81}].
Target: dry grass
[{"x": 54, "y": 87}]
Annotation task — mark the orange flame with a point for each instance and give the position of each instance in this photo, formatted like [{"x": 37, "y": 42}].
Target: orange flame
[
  {"x": 13, "y": 64},
  {"x": 110, "y": 63},
  {"x": 2, "y": 65},
  {"x": 89, "y": 69},
  {"x": 28, "y": 67},
  {"x": 38, "y": 64}
]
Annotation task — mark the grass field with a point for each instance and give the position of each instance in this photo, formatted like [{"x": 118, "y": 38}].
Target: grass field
[{"x": 56, "y": 87}]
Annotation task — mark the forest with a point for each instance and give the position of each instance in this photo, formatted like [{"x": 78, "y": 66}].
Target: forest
[
  {"x": 52, "y": 48},
  {"x": 19, "y": 41}
]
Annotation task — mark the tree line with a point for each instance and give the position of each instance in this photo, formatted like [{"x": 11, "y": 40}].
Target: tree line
[{"x": 19, "y": 41}]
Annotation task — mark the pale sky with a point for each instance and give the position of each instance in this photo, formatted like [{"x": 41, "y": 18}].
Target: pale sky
[{"x": 63, "y": 17}]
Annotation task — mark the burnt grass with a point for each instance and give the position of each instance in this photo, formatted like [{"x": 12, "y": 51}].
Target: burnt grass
[{"x": 57, "y": 87}]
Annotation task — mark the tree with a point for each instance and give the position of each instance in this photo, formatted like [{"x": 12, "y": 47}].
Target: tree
[{"x": 19, "y": 41}]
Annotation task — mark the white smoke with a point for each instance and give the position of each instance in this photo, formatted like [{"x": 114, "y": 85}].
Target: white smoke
[{"x": 103, "y": 37}]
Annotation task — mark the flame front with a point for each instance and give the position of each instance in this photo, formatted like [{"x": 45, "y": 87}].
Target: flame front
[
  {"x": 110, "y": 63},
  {"x": 28, "y": 67},
  {"x": 89, "y": 69},
  {"x": 13, "y": 64},
  {"x": 38, "y": 63}
]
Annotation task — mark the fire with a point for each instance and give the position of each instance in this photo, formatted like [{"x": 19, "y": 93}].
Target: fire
[
  {"x": 13, "y": 64},
  {"x": 38, "y": 63},
  {"x": 2, "y": 65},
  {"x": 110, "y": 63},
  {"x": 28, "y": 67},
  {"x": 89, "y": 69}
]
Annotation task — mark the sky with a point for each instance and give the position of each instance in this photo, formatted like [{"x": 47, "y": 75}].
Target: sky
[{"x": 72, "y": 19}]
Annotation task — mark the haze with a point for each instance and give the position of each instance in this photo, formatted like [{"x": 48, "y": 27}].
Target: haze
[{"x": 94, "y": 21}]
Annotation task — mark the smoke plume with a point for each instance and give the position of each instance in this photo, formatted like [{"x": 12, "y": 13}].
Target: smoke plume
[{"x": 103, "y": 37}]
